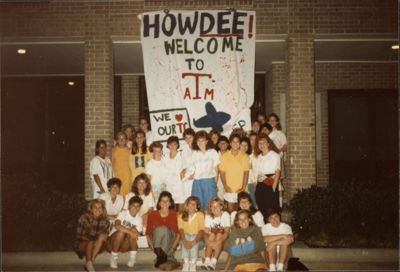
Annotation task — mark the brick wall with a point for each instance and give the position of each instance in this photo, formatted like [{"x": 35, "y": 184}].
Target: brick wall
[
  {"x": 130, "y": 100},
  {"x": 331, "y": 76},
  {"x": 300, "y": 113},
  {"x": 279, "y": 85},
  {"x": 69, "y": 17},
  {"x": 99, "y": 87}
]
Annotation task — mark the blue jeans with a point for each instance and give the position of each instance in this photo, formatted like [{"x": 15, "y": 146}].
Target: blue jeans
[
  {"x": 205, "y": 190},
  {"x": 252, "y": 192},
  {"x": 190, "y": 253}
]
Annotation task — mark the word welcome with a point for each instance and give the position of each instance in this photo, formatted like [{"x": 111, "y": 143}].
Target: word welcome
[{"x": 199, "y": 46}]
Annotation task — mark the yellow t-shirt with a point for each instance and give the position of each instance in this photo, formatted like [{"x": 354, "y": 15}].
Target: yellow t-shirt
[
  {"x": 137, "y": 163},
  {"x": 234, "y": 168},
  {"x": 194, "y": 225}
]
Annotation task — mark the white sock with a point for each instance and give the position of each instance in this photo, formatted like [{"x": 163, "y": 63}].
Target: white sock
[
  {"x": 186, "y": 260},
  {"x": 279, "y": 267},
  {"x": 133, "y": 253},
  {"x": 207, "y": 260},
  {"x": 213, "y": 261},
  {"x": 281, "y": 202},
  {"x": 272, "y": 267},
  {"x": 193, "y": 260},
  {"x": 114, "y": 254}
]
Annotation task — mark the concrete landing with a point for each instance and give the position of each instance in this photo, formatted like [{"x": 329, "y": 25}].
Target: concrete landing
[{"x": 313, "y": 258}]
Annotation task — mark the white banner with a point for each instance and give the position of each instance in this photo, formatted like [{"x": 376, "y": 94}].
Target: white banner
[{"x": 199, "y": 70}]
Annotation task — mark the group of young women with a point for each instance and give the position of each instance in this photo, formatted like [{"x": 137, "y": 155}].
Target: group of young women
[{"x": 192, "y": 185}]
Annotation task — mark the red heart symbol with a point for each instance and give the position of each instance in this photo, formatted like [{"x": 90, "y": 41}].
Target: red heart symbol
[{"x": 178, "y": 117}]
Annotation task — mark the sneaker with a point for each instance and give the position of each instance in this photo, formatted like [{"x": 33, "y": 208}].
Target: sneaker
[
  {"x": 192, "y": 267},
  {"x": 210, "y": 267},
  {"x": 186, "y": 267},
  {"x": 272, "y": 268},
  {"x": 89, "y": 266},
  {"x": 199, "y": 262},
  {"x": 205, "y": 264},
  {"x": 131, "y": 262},
  {"x": 113, "y": 263},
  {"x": 161, "y": 256},
  {"x": 279, "y": 267}
]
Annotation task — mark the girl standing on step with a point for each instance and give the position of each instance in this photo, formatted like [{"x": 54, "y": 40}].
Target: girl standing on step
[
  {"x": 140, "y": 155},
  {"x": 100, "y": 169},
  {"x": 145, "y": 127},
  {"x": 234, "y": 172},
  {"x": 92, "y": 232},
  {"x": 129, "y": 131},
  {"x": 268, "y": 172},
  {"x": 191, "y": 229},
  {"x": 120, "y": 163},
  {"x": 205, "y": 168},
  {"x": 173, "y": 165},
  {"x": 155, "y": 169},
  {"x": 222, "y": 147},
  {"x": 280, "y": 141},
  {"x": 187, "y": 152}
]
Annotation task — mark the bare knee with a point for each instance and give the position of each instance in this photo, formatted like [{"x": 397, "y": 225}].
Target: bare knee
[{"x": 102, "y": 238}]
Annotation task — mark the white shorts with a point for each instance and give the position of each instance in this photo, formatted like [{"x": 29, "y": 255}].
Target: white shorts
[
  {"x": 187, "y": 188},
  {"x": 231, "y": 197},
  {"x": 220, "y": 189}
]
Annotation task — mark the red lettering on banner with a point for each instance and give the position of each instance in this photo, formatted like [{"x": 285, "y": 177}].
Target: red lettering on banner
[{"x": 197, "y": 77}]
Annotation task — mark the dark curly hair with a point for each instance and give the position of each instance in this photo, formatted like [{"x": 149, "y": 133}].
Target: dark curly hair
[{"x": 171, "y": 200}]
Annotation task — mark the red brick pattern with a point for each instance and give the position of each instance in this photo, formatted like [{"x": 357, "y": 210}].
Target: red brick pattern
[
  {"x": 300, "y": 113},
  {"x": 130, "y": 100}
]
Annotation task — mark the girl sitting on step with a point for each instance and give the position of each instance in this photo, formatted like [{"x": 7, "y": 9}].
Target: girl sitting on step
[{"x": 92, "y": 232}]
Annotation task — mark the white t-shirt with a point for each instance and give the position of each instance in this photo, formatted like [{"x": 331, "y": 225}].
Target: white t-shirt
[
  {"x": 148, "y": 202},
  {"x": 102, "y": 168},
  {"x": 204, "y": 164},
  {"x": 278, "y": 137},
  {"x": 283, "y": 228},
  {"x": 187, "y": 162},
  {"x": 173, "y": 168},
  {"x": 267, "y": 164},
  {"x": 128, "y": 221},
  {"x": 223, "y": 221},
  {"x": 258, "y": 218},
  {"x": 112, "y": 208},
  {"x": 156, "y": 170}
]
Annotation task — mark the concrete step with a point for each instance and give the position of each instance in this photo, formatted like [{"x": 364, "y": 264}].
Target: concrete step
[{"x": 146, "y": 257}]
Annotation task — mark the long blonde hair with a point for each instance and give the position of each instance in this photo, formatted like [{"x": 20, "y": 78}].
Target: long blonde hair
[
  {"x": 89, "y": 217},
  {"x": 211, "y": 202},
  {"x": 185, "y": 213}
]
